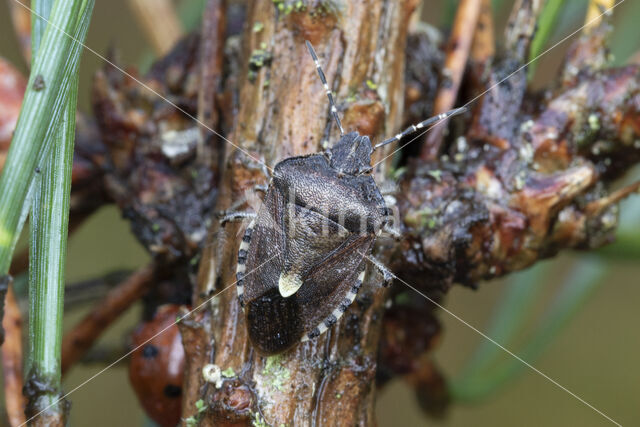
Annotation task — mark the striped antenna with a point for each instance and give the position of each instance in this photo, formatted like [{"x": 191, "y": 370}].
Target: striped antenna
[
  {"x": 334, "y": 110},
  {"x": 414, "y": 128}
]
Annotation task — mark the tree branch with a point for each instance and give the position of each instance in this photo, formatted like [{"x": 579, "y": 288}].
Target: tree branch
[
  {"x": 77, "y": 341},
  {"x": 458, "y": 49},
  {"x": 332, "y": 377},
  {"x": 160, "y": 22}
]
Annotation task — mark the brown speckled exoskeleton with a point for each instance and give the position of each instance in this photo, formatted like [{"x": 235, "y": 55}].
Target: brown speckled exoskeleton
[{"x": 301, "y": 261}]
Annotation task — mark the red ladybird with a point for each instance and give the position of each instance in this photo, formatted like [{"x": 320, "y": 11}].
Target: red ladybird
[
  {"x": 156, "y": 368},
  {"x": 12, "y": 87}
]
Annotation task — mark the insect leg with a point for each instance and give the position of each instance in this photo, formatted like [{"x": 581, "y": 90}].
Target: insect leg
[
  {"x": 414, "y": 128},
  {"x": 242, "y": 260},
  {"x": 236, "y": 216},
  {"x": 387, "y": 275},
  {"x": 388, "y": 191},
  {"x": 323, "y": 79},
  {"x": 392, "y": 232},
  {"x": 261, "y": 188}
]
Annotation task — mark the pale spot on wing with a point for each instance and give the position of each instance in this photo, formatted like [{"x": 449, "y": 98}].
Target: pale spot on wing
[{"x": 288, "y": 284}]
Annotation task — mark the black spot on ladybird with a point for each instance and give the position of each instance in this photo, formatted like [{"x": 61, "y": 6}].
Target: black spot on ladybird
[
  {"x": 149, "y": 351},
  {"x": 172, "y": 391}
]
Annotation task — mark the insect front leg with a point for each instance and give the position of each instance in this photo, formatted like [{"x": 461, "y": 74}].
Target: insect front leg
[
  {"x": 388, "y": 225},
  {"x": 236, "y": 216},
  {"x": 232, "y": 214},
  {"x": 261, "y": 188},
  {"x": 393, "y": 232}
]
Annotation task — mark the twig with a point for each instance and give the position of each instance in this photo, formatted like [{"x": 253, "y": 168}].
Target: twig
[
  {"x": 540, "y": 205},
  {"x": 458, "y": 49},
  {"x": 491, "y": 122},
  {"x": 12, "y": 360},
  {"x": 598, "y": 206},
  {"x": 590, "y": 52},
  {"x": 77, "y": 341},
  {"x": 521, "y": 28},
  {"x": 211, "y": 58},
  {"x": 92, "y": 289},
  {"x": 483, "y": 47},
  {"x": 160, "y": 22}
]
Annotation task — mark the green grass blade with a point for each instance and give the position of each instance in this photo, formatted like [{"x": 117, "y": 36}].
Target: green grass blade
[
  {"x": 49, "y": 226},
  {"x": 624, "y": 41},
  {"x": 48, "y": 248},
  {"x": 509, "y": 318},
  {"x": 190, "y": 13},
  {"x": 583, "y": 279},
  {"x": 40, "y": 14},
  {"x": 42, "y": 107},
  {"x": 41, "y": 9},
  {"x": 625, "y": 248},
  {"x": 546, "y": 27}
]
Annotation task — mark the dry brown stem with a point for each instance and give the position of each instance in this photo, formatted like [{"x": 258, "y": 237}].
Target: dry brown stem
[
  {"x": 455, "y": 63},
  {"x": 522, "y": 27},
  {"x": 21, "y": 19},
  {"x": 160, "y": 22},
  {"x": 78, "y": 340},
  {"x": 483, "y": 48}
]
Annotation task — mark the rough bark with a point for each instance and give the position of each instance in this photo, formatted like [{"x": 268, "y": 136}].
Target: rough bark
[
  {"x": 283, "y": 112},
  {"x": 508, "y": 194}
]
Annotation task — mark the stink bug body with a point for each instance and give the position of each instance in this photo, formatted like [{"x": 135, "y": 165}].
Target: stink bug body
[{"x": 302, "y": 258}]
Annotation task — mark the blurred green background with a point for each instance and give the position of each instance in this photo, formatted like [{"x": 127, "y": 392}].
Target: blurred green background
[{"x": 595, "y": 356}]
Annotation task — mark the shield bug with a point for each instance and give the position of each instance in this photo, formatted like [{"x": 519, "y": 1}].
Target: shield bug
[{"x": 302, "y": 258}]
